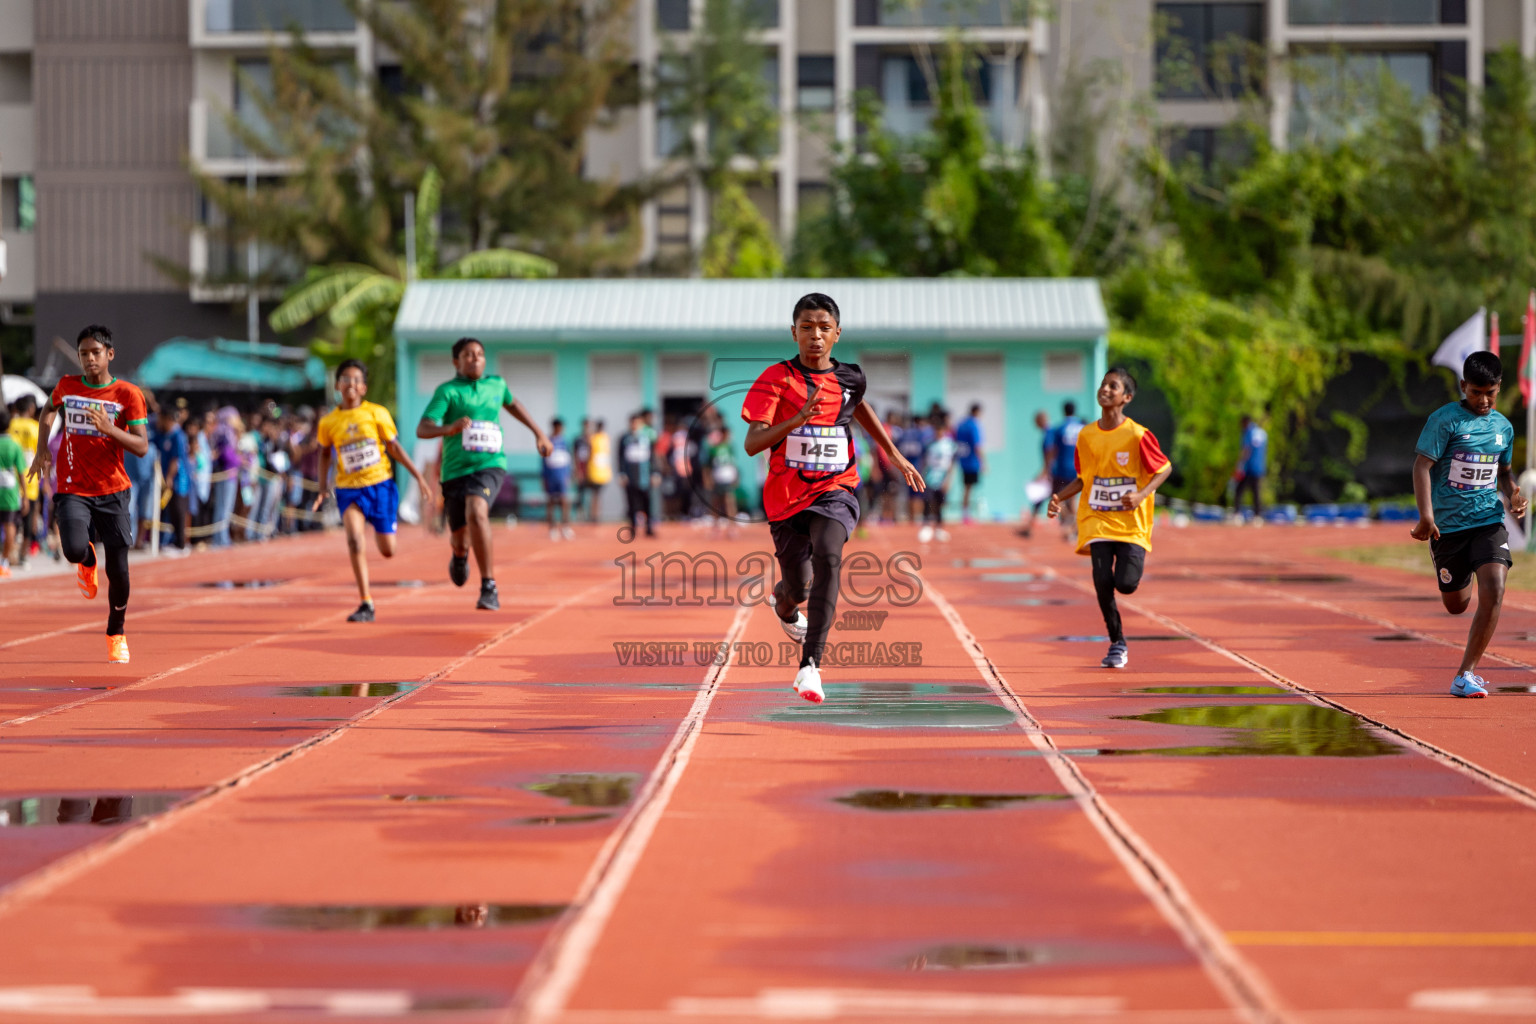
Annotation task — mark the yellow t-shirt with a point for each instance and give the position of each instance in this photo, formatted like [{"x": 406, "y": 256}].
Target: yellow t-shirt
[
  {"x": 24, "y": 430},
  {"x": 600, "y": 465},
  {"x": 359, "y": 436},
  {"x": 1111, "y": 464}
]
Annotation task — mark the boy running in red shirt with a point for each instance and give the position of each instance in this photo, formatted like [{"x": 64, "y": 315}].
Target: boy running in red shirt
[
  {"x": 103, "y": 417},
  {"x": 802, "y": 411}
]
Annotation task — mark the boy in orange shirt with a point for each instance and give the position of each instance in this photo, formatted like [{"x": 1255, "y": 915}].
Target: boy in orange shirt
[{"x": 1122, "y": 465}]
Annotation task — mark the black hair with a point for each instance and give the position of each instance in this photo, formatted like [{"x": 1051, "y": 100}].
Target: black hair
[
  {"x": 1069, "y": 408},
  {"x": 1126, "y": 380},
  {"x": 1482, "y": 369},
  {"x": 22, "y": 404},
  {"x": 557, "y": 423},
  {"x": 465, "y": 342},
  {"x": 816, "y": 300},
  {"x": 351, "y": 364},
  {"x": 975, "y": 408},
  {"x": 5, "y": 419},
  {"x": 598, "y": 425},
  {"x": 96, "y": 331}
]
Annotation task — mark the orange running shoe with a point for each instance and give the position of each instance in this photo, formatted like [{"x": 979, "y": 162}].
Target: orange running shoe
[
  {"x": 117, "y": 649},
  {"x": 5, "y": 572},
  {"x": 85, "y": 576}
]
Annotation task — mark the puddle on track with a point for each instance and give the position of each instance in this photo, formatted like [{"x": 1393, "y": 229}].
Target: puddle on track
[
  {"x": 589, "y": 790},
  {"x": 963, "y": 957},
  {"x": 900, "y": 800},
  {"x": 1268, "y": 730},
  {"x": 1213, "y": 690},
  {"x": 367, "y": 919},
  {"x": 1293, "y": 577},
  {"x": 418, "y": 798},
  {"x": 1098, "y": 639},
  {"x": 347, "y": 690},
  {"x": 1396, "y": 637},
  {"x": 51, "y": 689},
  {"x": 563, "y": 819},
  {"x": 32, "y": 811},
  {"x": 1009, "y": 577},
  {"x": 987, "y": 563},
  {"x": 243, "y": 584},
  {"x": 1517, "y": 689},
  {"x": 895, "y": 706}
]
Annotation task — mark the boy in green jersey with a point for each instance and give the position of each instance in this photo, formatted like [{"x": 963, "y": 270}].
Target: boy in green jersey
[{"x": 466, "y": 413}]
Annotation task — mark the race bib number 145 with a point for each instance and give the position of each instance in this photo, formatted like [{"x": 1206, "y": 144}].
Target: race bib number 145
[{"x": 818, "y": 449}]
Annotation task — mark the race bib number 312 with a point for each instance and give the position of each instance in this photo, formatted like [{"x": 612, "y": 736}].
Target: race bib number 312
[
  {"x": 77, "y": 414},
  {"x": 817, "y": 449},
  {"x": 1107, "y": 493},
  {"x": 1473, "y": 471}
]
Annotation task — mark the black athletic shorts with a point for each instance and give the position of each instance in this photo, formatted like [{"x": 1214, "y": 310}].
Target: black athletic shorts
[
  {"x": 970, "y": 477},
  {"x": 482, "y": 483},
  {"x": 105, "y": 515},
  {"x": 1457, "y": 555},
  {"x": 9, "y": 515},
  {"x": 789, "y": 534}
]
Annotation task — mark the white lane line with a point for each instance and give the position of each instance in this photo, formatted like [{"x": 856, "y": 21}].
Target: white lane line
[
  {"x": 100, "y": 621},
  {"x": 1493, "y": 780},
  {"x": 550, "y": 982},
  {"x": 56, "y": 873},
  {"x": 1233, "y": 975}
]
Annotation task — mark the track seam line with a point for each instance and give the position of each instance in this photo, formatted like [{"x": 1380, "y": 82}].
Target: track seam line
[
  {"x": 1233, "y": 975},
  {"x": 1494, "y": 781},
  {"x": 98, "y": 622},
  {"x": 62, "y": 870},
  {"x": 553, "y": 977}
]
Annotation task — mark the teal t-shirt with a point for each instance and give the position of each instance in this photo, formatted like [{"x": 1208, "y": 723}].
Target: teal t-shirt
[
  {"x": 13, "y": 473},
  {"x": 1468, "y": 450},
  {"x": 480, "y": 445}
]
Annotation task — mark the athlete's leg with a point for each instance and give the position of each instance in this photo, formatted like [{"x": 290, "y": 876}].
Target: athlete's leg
[
  {"x": 356, "y": 526},
  {"x": 1103, "y": 556},
  {"x": 478, "y": 513},
  {"x": 385, "y": 543},
  {"x": 1457, "y": 601},
  {"x": 827, "y": 537},
  {"x": 74, "y": 523},
  {"x": 1130, "y": 560},
  {"x": 117, "y": 586},
  {"x": 1490, "y": 599}
]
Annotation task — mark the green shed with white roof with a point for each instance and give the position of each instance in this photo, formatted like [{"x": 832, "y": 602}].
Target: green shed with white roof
[{"x": 606, "y": 348}]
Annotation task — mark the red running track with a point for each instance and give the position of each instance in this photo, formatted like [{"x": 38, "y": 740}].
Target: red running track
[{"x": 1276, "y": 813}]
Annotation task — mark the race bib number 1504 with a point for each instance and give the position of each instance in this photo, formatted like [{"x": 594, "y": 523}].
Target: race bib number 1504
[{"x": 1107, "y": 493}]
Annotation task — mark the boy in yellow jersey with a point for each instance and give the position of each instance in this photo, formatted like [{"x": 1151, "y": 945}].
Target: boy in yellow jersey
[
  {"x": 1120, "y": 465},
  {"x": 363, "y": 438},
  {"x": 24, "y": 430}
]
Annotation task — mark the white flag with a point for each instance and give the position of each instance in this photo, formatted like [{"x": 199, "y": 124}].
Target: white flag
[{"x": 1470, "y": 337}]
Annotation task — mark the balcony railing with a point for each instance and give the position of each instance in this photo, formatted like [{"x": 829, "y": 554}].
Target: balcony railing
[
  {"x": 1365, "y": 12},
  {"x": 222, "y": 16}
]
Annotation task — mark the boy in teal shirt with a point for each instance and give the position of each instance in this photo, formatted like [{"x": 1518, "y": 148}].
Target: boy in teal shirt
[
  {"x": 1462, "y": 469},
  {"x": 466, "y": 413}
]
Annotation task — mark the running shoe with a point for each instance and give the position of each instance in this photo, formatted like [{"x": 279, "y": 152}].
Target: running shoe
[
  {"x": 808, "y": 684},
  {"x": 458, "y": 569},
  {"x": 5, "y": 571},
  {"x": 1119, "y": 656},
  {"x": 794, "y": 628},
  {"x": 925, "y": 534},
  {"x": 568, "y": 533},
  {"x": 85, "y": 578},
  {"x": 1469, "y": 684},
  {"x": 117, "y": 649},
  {"x": 489, "y": 601},
  {"x": 554, "y": 534},
  {"x": 364, "y": 613},
  {"x": 941, "y": 535}
]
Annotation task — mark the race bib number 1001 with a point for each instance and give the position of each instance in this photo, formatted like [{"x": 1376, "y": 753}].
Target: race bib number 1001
[
  {"x": 1473, "y": 471},
  {"x": 1107, "y": 493},
  {"x": 817, "y": 449},
  {"x": 77, "y": 414},
  {"x": 482, "y": 436}
]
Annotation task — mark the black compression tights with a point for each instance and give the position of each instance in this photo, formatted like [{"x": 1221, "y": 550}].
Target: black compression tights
[
  {"x": 75, "y": 539},
  {"x": 1116, "y": 566},
  {"x": 824, "y": 566}
]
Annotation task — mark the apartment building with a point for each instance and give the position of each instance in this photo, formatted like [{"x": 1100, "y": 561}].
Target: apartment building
[{"x": 103, "y": 102}]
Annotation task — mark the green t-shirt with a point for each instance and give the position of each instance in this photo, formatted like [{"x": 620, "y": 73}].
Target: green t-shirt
[
  {"x": 13, "y": 471},
  {"x": 480, "y": 445}
]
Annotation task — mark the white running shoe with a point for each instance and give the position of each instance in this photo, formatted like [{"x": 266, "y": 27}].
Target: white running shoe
[
  {"x": 941, "y": 534},
  {"x": 808, "y": 684},
  {"x": 568, "y": 533},
  {"x": 925, "y": 534},
  {"x": 554, "y": 534},
  {"x": 795, "y": 630}
]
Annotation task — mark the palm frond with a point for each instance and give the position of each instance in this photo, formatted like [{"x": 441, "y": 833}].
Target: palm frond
[
  {"x": 314, "y": 296},
  {"x": 489, "y": 263},
  {"x": 429, "y": 200},
  {"x": 368, "y": 294}
]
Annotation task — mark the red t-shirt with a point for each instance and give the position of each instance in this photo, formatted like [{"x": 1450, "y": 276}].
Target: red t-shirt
[
  {"x": 818, "y": 456},
  {"x": 90, "y": 463}
]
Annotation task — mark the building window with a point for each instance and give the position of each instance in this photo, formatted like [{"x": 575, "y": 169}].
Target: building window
[
  {"x": 1376, "y": 12},
  {"x": 941, "y": 13},
  {"x": 1334, "y": 93},
  {"x": 672, "y": 15},
  {"x": 995, "y": 83},
  {"x": 1208, "y": 147},
  {"x": 279, "y": 16},
  {"x": 1206, "y": 51},
  {"x": 1065, "y": 371},
  {"x": 816, "y": 78}
]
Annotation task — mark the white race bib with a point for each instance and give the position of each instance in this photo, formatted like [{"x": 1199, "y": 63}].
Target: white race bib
[
  {"x": 77, "y": 417},
  {"x": 359, "y": 455},
  {"x": 725, "y": 474},
  {"x": 557, "y": 459},
  {"x": 482, "y": 436},
  {"x": 638, "y": 451},
  {"x": 817, "y": 449},
  {"x": 1473, "y": 471},
  {"x": 1107, "y": 491},
  {"x": 8, "y": 479}
]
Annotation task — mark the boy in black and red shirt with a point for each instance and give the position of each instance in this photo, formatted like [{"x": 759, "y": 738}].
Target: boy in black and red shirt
[
  {"x": 103, "y": 417},
  {"x": 802, "y": 410}
]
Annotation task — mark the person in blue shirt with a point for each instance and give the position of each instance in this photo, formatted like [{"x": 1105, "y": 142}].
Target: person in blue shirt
[
  {"x": 1252, "y": 465},
  {"x": 1461, "y": 480},
  {"x": 1061, "y": 455},
  {"x": 557, "y": 480},
  {"x": 912, "y": 442},
  {"x": 968, "y": 454},
  {"x": 169, "y": 442}
]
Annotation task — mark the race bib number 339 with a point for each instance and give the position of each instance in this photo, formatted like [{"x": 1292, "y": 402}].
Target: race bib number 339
[
  {"x": 817, "y": 449},
  {"x": 359, "y": 455},
  {"x": 1473, "y": 471},
  {"x": 1107, "y": 493},
  {"x": 77, "y": 414}
]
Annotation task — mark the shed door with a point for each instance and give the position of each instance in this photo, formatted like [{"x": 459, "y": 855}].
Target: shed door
[
  {"x": 889, "y": 379},
  {"x": 613, "y": 395},
  {"x": 532, "y": 380},
  {"x": 978, "y": 377}
]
